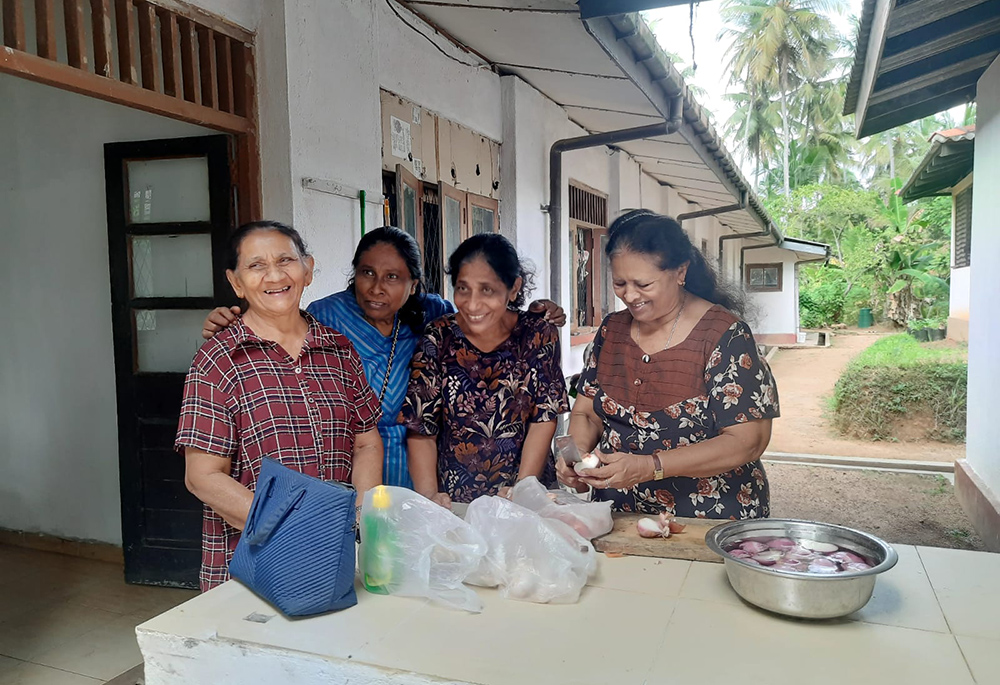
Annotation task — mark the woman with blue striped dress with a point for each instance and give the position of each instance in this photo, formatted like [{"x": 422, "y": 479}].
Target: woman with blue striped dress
[{"x": 383, "y": 312}]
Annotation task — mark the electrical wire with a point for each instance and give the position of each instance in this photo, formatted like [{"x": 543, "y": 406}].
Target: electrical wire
[{"x": 431, "y": 40}]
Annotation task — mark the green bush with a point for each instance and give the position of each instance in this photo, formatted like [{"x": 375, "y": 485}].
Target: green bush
[
  {"x": 821, "y": 304},
  {"x": 898, "y": 376}
]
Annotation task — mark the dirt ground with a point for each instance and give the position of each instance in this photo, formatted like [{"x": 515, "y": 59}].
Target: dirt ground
[
  {"x": 901, "y": 508},
  {"x": 806, "y": 378}
]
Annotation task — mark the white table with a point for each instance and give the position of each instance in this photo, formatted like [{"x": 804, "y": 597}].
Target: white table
[{"x": 934, "y": 619}]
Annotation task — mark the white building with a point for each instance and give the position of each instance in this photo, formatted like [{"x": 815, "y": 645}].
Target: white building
[
  {"x": 946, "y": 169},
  {"x": 133, "y": 144},
  {"x": 913, "y": 60}
]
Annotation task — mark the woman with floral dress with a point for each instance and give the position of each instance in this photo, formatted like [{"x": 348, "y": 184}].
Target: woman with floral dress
[
  {"x": 486, "y": 385},
  {"x": 675, "y": 398}
]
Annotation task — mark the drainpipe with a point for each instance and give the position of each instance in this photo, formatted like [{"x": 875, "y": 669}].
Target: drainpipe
[
  {"x": 556, "y": 179},
  {"x": 743, "y": 251},
  {"x": 769, "y": 231},
  {"x": 742, "y": 204}
]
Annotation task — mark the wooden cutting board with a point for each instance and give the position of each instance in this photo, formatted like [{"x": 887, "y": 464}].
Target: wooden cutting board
[{"x": 624, "y": 539}]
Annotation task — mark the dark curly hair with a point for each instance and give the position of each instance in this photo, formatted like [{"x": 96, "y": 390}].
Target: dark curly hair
[
  {"x": 502, "y": 258},
  {"x": 659, "y": 236},
  {"x": 412, "y": 311}
]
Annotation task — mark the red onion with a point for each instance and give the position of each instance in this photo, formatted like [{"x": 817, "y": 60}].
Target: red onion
[
  {"x": 782, "y": 544},
  {"x": 753, "y": 547},
  {"x": 803, "y": 556},
  {"x": 767, "y": 558}
]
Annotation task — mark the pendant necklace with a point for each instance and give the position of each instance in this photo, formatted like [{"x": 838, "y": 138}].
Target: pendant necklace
[{"x": 645, "y": 357}]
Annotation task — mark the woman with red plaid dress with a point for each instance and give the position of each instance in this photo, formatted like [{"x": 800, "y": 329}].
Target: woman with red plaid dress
[{"x": 276, "y": 384}]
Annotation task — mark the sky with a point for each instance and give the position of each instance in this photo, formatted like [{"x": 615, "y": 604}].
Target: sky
[{"x": 672, "y": 31}]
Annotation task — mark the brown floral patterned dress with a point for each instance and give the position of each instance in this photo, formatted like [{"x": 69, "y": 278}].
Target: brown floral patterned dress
[
  {"x": 480, "y": 405},
  {"x": 682, "y": 395}
]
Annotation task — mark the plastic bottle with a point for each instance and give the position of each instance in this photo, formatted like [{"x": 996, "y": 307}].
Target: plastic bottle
[{"x": 378, "y": 548}]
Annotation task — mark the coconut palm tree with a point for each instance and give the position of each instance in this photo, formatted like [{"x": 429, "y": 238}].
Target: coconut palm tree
[{"x": 777, "y": 46}]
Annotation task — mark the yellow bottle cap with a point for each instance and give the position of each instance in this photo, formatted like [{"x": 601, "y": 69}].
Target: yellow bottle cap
[{"x": 380, "y": 497}]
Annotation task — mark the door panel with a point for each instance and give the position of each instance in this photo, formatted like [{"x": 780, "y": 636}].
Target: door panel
[
  {"x": 169, "y": 215},
  {"x": 454, "y": 228},
  {"x": 409, "y": 207}
]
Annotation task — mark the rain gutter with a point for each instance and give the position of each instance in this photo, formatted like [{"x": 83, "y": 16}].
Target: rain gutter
[
  {"x": 556, "y": 178},
  {"x": 742, "y": 204}
]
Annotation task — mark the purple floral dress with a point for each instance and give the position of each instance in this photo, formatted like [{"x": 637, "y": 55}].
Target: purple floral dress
[
  {"x": 678, "y": 397},
  {"x": 480, "y": 404}
]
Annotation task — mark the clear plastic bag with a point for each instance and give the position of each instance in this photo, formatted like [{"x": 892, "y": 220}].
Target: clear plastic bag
[
  {"x": 530, "y": 558},
  {"x": 431, "y": 551},
  {"x": 589, "y": 519}
]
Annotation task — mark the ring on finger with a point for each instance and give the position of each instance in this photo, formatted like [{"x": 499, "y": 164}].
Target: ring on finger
[{"x": 607, "y": 483}]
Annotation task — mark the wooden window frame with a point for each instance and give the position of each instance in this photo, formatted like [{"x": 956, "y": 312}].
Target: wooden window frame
[
  {"x": 483, "y": 202},
  {"x": 595, "y": 267},
  {"x": 963, "y": 231},
  {"x": 764, "y": 288},
  {"x": 405, "y": 179}
]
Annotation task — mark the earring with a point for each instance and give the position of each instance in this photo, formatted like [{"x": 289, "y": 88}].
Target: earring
[{"x": 681, "y": 283}]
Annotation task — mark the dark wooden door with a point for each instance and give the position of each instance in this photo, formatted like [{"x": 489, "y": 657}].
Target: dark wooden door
[{"x": 170, "y": 211}]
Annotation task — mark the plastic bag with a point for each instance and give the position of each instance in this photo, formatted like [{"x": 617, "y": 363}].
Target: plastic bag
[
  {"x": 432, "y": 550},
  {"x": 530, "y": 558},
  {"x": 589, "y": 519}
]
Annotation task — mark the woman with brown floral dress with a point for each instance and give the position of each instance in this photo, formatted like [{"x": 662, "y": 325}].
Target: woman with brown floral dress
[
  {"x": 486, "y": 386},
  {"x": 674, "y": 400}
]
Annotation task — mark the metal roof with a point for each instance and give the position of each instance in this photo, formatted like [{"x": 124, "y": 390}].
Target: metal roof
[
  {"x": 948, "y": 161},
  {"x": 607, "y": 73},
  {"x": 809, "y": 249},
  {"x": 915, "y": 58}
]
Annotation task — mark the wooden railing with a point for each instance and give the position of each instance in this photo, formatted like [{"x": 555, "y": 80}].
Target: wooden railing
[{"x": 161, "y": 56}]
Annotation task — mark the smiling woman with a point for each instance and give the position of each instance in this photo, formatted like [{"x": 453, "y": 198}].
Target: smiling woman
[
  {"x": 486, "y": 385},
  {"x": 277, "y": 384}
]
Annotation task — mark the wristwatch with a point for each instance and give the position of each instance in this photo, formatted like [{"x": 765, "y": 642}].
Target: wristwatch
[{"x": 657, "y": 467}]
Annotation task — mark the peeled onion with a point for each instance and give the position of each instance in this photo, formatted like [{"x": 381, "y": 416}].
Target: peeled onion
[
  {"x": 821, "y": 547},
  {"x": 782, "y": 544},
  {"x": 588, "y": 462},
  {"x": 649, "y": 528},
  {"x": 768, "y": 558}
]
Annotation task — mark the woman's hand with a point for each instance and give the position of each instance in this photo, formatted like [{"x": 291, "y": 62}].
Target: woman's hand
[
  {"x": 553, "y": 313},
  {"x": 568, "y": 477},
  {"x": 441, "y": 498},
  {"x": 219, "y": 319},
  {"x": 619, "y": 470}
]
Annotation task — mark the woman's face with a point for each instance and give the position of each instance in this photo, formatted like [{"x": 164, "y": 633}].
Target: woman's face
[
  {"x": 481, "y": 297},
  {"x": 649, "y": 292},
  {"x": 271, "y": 274},
  {"x": 382, "y": 282}
]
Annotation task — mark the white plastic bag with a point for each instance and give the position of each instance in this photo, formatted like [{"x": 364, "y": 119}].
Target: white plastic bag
[
  {"x": 530, "y": 558},
  {"x": 589, "y": 519},
  {"x": 433, "y": 550}
]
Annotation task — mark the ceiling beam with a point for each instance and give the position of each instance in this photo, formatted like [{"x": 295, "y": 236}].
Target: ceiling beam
[
  {"x": 918, "y": 13},
  {"x": 591, "y": 9},
  {"x": 948, "y": 73},
  {"x": 941, "y": 44}
]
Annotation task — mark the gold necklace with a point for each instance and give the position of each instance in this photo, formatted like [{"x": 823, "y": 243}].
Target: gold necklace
[{"x": 645, "y": 357}]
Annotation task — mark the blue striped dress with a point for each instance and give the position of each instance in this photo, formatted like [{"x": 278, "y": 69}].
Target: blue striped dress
[{"x": 341, "y": 312}]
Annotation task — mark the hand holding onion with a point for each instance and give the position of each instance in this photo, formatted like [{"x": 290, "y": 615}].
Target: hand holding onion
[{"x": 618, "y": 470}]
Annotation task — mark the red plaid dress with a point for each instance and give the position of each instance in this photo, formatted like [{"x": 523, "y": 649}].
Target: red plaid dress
[{"x": 245, "y": 399}]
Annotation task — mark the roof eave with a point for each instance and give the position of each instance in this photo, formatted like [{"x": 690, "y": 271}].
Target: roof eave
[{"x": 656, "y": 76}]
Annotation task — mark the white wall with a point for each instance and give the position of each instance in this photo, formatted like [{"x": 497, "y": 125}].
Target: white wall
[
  {"x": 774, "y": 313},
  {"x": 984, "y": 305},
  {"x": 58, "y": 416},
  {"x": 958, "y": 298}
]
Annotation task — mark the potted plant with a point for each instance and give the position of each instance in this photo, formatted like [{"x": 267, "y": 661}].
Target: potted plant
[
  {"x": 938, "y": 328},
  {"x": 919, "y": 329}
]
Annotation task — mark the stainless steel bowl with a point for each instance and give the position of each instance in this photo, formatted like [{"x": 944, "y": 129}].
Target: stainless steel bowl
[{"x": 796, "y": 593}]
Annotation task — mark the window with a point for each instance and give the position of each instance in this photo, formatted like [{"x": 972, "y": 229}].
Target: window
[
  {"x": 764, "y": 277},
  {"x": 593, "y": 295},
  {"x": 963, "y": 228}
]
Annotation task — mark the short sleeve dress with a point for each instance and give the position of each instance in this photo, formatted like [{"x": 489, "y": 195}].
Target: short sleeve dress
[
  {"x": 481, "y": 404},
  {"x": 680, "y": 396}
]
